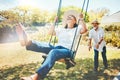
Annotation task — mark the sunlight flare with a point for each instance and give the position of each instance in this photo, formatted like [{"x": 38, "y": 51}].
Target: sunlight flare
[{"x": 27, "y": 3}]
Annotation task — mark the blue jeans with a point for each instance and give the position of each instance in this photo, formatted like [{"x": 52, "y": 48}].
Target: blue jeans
[
  {"x": 54, "y": 53},
  {"x": 96, "y": 55}
]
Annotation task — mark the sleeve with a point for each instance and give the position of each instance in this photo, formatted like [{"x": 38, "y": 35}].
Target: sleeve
[
  {"x": 90, "y": 34},
  {"x": 102, "y": 33}
]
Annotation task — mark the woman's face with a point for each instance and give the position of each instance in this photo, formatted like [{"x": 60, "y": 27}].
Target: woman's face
[{"x": 71, "y": 20}]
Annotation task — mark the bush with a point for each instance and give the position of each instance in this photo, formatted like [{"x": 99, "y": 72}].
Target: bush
[
  {"x": 112, "y": 35},
  {"x": 112, "y": 28},
  {"x": 7, "y": 32}
]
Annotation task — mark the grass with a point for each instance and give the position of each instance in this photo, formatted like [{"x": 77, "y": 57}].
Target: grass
[
  {"x": 82, "y": 71},
  {"x": 15, "y": 62},
  {"x": 12, "y": 54}
]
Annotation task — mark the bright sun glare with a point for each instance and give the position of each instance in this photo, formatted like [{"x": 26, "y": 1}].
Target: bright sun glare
[{"x": 27, "y": 3}]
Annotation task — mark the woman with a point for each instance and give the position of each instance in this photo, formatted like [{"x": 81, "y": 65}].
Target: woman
[{"x": 61, "y": 50}]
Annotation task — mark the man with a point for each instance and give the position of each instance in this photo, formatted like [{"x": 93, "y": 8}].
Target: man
[{"x": 97, "y": 34}]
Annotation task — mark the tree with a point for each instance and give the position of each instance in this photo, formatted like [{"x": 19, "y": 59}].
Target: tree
[
  {"x": 24, "y": 13},
  {"x": 98, "y": 13}
]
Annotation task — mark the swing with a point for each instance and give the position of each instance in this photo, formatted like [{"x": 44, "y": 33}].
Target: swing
[{"x": 68, "y": 61}]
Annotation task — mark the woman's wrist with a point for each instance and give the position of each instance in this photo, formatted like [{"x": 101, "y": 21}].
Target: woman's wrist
[{"x": 81, "y": 19}]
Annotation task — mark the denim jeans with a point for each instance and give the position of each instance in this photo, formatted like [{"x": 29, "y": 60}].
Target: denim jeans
[
  {"x": 54, "y": 53},
  {"x": 96, "y": 55}
]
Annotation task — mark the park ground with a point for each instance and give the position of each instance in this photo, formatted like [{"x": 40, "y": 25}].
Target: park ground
[{"x": 16, "y": 61}]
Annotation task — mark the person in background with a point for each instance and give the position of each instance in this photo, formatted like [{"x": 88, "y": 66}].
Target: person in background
[{"x": 99, "y": 45}]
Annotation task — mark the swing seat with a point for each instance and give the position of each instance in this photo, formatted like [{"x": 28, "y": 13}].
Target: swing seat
[{"x": 68, "y": 61}]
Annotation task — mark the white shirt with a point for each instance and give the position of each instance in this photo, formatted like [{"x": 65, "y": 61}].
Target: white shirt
[
  {"x": 96, "y": 36},
  {"x": 65, "y": 37}
]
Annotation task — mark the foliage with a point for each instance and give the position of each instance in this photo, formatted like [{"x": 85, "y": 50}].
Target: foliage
[
  {"x": 25, "y": 15},
  {"x": 113, "y": 28},
  {"x": 112, "y": 35},
  {"x": 30, "y": 15},
  {"x": 7, "y": 29},
  {"x": 97, "y": 14},
  {"x": 10, "y": 16},
  {"x": 7, "y": 32}
]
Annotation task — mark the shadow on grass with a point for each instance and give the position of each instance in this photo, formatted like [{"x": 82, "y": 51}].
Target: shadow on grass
[{"x": 82, "y": 71}]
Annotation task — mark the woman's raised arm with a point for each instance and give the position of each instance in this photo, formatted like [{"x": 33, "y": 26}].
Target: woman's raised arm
[{"x": 82, "y": 23}]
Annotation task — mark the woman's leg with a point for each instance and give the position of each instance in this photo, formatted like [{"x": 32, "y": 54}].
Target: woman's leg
[
  {"x": 39, "y": 47},
  {"x": 53, "y": 56},
  {"x": 31, "y": 45},
  {"x": 23, "y": 39}
]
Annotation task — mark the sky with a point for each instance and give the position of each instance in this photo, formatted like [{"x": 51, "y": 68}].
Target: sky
[{"x": 50, "y": 5}]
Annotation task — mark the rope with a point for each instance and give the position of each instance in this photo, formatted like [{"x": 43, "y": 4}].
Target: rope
[
  {"x": 56, "y": 22},
  {"x": 77, "y": 28},
  {"x": 84, "y": 19},
  {"x": 83, "y": 6}
]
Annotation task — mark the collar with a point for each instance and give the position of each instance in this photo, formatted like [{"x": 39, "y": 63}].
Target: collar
[{"x": 97, "y": 28}]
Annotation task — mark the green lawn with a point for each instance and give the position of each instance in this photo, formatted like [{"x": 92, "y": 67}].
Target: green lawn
[{"x": 15, "y": 62}]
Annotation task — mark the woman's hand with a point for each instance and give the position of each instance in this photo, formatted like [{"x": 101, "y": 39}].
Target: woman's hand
[
  {"x": 81, "y": 22},
  {"x": 56, "y": 19},
  {"x": 81, "y": 16},
  {"x": 51, "y": 30}
]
